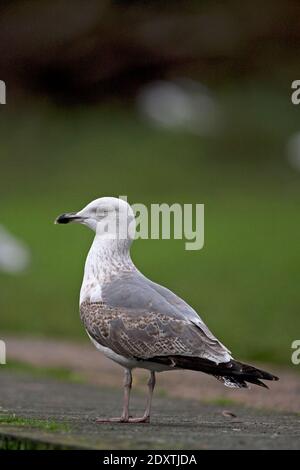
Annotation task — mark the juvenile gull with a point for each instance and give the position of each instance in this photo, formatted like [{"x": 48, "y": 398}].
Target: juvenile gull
[{"x": 138, "y": 323}]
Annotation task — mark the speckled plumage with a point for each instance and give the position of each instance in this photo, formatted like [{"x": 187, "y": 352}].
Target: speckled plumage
[
  {"x": 138, "y": 323},
  {"x": 138, "y": 334},
  {"x": 135, "y": 317}
]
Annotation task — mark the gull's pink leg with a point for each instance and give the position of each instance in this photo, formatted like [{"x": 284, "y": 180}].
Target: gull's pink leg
[
  {"x": 124, "y": 418},
  {"x": 127, "y": 390},
  {"x": 146, "y": 416}
]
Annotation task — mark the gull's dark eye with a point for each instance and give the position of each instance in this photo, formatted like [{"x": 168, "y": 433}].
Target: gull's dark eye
[{"x": 101, "y": 213}]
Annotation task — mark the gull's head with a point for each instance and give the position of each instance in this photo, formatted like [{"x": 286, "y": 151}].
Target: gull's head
[{"x": 109, "y": 217}]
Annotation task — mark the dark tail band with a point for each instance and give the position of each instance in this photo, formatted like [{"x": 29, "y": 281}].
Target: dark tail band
[{"x": 232, "y": 373}]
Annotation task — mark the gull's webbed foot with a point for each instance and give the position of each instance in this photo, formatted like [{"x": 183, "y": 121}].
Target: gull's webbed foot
[{"x": 121, "y": 419}]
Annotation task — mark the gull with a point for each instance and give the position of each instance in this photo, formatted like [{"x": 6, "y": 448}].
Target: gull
[{"x": 138, "y": 323}]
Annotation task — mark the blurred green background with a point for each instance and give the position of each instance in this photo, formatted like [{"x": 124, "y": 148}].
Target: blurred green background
[{"x": 64, "y": 145}]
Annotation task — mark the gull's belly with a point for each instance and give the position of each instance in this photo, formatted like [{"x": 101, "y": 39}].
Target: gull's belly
[{"x": 129, "y": 363}]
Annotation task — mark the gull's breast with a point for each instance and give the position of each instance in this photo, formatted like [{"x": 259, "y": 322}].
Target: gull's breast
[{"x": 90, "y": 292}]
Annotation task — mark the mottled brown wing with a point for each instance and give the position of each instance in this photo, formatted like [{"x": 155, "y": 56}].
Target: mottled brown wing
[{"x": 142, "y": 334}]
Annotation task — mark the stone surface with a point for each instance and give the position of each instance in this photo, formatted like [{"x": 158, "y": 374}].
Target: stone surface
[
  {"x": 176, "y": 423},
  {"x": 95, "y": 368}
]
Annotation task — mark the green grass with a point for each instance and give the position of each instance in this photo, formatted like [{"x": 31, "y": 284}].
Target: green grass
[
  {"x": 9, "y": 442},
  {"x": 244, "y": 283},
  {"x": 44, "y": 425}
]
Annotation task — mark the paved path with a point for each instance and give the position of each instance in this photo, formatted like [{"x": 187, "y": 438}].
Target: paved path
[
  {"x": 94, "y": 368},
  {"x": 177, "y": 423}
]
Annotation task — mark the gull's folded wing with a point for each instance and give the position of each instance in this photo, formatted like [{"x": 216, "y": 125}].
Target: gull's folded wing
[{"x": 140, "y": 319}]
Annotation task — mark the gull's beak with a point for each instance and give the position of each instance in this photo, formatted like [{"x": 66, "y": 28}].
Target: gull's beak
[{"x": 67, "y": 218}]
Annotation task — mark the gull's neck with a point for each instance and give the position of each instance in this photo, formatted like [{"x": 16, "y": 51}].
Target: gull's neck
[{"x": 105, "y": 260}]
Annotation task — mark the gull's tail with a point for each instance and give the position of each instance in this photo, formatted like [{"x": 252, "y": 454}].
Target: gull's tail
[
  {"x": 241, "y": 373},
  {"x": 233, "y": 374}
]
